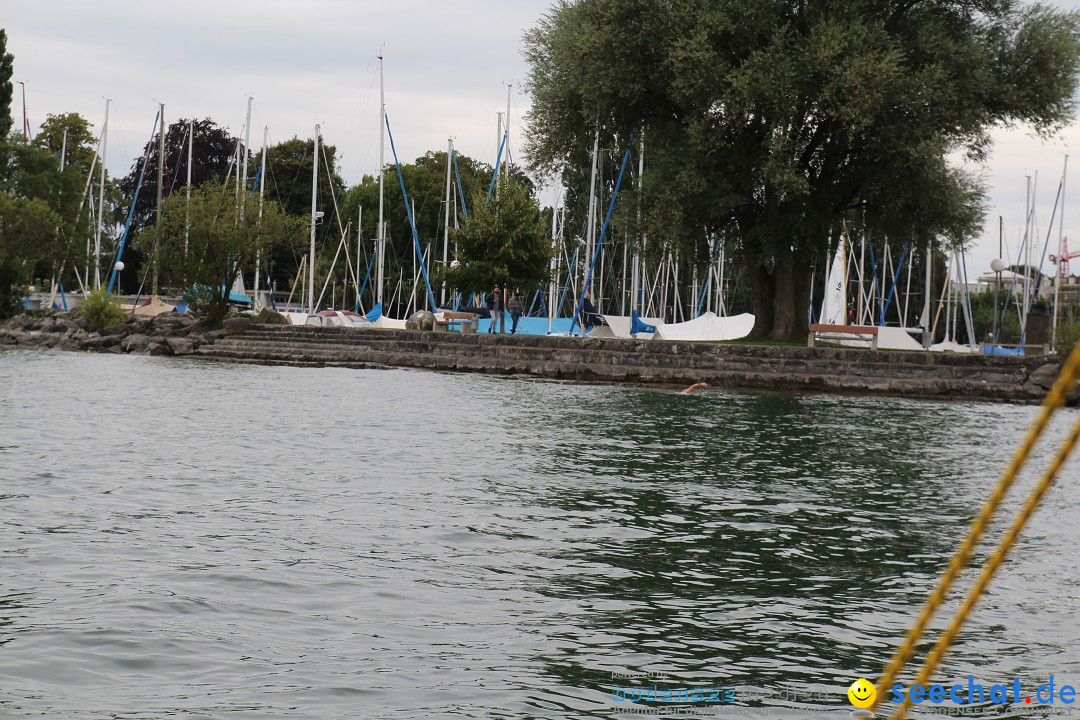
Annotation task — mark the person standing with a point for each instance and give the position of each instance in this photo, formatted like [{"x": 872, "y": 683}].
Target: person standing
[
  {"x": 496, "y": 307},
  {"x": 514, "y": 306}
]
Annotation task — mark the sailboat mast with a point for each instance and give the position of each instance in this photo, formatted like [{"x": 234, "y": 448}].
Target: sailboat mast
[
  {"x": 187, "y": 221},
  {"x": 262, "y": 192},
  {"x": 1061, "y": 258},
  {"x": 446, "y": 220},
  {"x": 380, "y": 238},
  {"x": 244, "y": 156},
  {"x": 635, "y": 272},
  {"x": 506, "y": 166},
  {"x": 591, "y": 233},
  {"x": 160, "y": 182},
  {"x": 314, "y": 197},
  {"x": 101, "y": 199}
]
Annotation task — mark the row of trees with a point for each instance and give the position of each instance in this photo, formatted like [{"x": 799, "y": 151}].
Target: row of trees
[{"x": 47, "y": 216}]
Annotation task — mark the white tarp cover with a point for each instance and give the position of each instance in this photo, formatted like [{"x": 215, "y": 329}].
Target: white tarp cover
[
  {"x": 952, "y": 346},
  {"x": 619, "y": 326},
  {"x": 296, "y": 318},
  {"x": 708, "y": 326},
  {"x": 389, "y": 323},
  {"x": 890, "y": 338}
]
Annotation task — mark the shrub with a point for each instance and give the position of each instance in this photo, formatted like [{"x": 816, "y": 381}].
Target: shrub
[
  {"x": 101, "y": 309},
  {"x": 12, "y": 290}
]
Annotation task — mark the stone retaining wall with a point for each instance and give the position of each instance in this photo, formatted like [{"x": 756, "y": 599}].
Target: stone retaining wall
[{"x": 645, "y": 362}]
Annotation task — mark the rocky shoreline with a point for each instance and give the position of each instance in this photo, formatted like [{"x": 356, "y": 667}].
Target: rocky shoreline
[{"x": 789, "y": 368}]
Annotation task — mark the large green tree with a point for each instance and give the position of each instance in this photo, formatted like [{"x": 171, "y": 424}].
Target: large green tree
[
  {"x": 774, "y": 120},
  {"x": 507, "y": 243},
  {"x": 80, "y": 142},
  {"x": 32, "y": 181},
  {"x": 213, "y": 152}
]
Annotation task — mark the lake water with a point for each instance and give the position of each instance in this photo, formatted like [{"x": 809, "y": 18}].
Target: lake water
[{"x": 195, "y": 540}]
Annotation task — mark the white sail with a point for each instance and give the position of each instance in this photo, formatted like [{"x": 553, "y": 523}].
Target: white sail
[{"x": 834, "y": 305}]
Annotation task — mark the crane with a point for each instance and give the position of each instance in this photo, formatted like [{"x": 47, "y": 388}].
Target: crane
[{"x": 1063, "y": 266}]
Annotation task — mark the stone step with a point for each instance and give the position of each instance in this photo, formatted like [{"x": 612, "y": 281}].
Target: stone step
[
  {"x": 931, "y": 387},
  {"x": 640, "y": 347},
  {"x": 344, "y": 349}
]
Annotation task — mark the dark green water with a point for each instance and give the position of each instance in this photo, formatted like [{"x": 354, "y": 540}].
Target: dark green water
[{"x": 189, "y": 540}]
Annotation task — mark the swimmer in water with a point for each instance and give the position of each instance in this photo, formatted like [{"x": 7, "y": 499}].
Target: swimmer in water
[{"x": 693, "y": 387}]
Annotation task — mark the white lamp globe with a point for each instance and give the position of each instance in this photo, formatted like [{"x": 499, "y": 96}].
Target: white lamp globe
[
  {"x": 454, "y": 263},
  {"x": 997, "y": 265},
  {"x": 119, "y": 265}
]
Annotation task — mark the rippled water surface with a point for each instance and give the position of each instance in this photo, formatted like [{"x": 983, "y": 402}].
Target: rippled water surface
[{"x": 183, "y": 539}]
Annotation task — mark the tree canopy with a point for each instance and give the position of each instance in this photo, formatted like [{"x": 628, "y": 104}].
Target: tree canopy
[
  {"x": 506, "y": 243},
  {"x": 205, "y": 243},
  {"x": 773, "y": 121}
]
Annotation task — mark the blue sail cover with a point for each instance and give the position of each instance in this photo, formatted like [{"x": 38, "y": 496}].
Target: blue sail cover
[
  {"x": 1000, "y": 350},
  {"x": 239, "y": 298},
  {"x": 374, "y": 313},
  {"x": 636, "y": 326}
]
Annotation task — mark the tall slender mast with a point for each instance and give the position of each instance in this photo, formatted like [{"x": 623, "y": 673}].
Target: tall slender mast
[
  {"x": 591, "y": 233},
  {"x": 553, "y": 286},
  {"x": 160, "y": 183},
  {"x": 499, "y": 145},
  {"x": 101, "y": 199},
  {"x": 244, "y": 157},
  {"x": 635, "y": 276},
  {"x": 262, "y": 192},
  {"x": 380, "y": 238},
  {"x": 25, "y": 122},
  {"x": 314, "y": 197},
  {"x": 360, "y": 249},
  {"x": 1027, "y": 261},
  {"x": 187, "y": 187},
  {"x": 506, "y": 167},
  {"x": 1061, "y": 258},
  {"x": 927, "y": 339},
  {"x": 446, "y": 225}
]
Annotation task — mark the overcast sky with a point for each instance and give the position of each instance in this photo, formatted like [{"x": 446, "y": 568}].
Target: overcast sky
[{"x": 447, "y": 67}]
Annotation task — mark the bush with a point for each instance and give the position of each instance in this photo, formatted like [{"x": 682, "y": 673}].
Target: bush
[
  {"x": 200, "y": 300},
  {"x": 101, "y": 309},
  {"x": 11, "y": 290}
]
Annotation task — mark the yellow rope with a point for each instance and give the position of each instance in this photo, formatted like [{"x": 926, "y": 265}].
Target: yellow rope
[
  {"x": 993, "y": 563},
  {"x": 1054, "y": 400}
]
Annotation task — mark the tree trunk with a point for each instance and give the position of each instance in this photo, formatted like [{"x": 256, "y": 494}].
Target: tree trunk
[
  {"x": 790, "y": 300},
  {"x": 762, "y": 290}
]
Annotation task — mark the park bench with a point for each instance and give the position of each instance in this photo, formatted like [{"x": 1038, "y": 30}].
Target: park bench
[
  {"x": 864, "y": 333},
  {"x": 465, "y": 322}
]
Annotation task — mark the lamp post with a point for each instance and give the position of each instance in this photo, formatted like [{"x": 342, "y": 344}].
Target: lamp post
[
  {"x": 119, "y": 268},
  {"x": 997, "y": 265}
]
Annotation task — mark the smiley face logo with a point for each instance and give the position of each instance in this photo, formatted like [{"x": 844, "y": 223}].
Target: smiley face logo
[{"x": 861, "y": 693}]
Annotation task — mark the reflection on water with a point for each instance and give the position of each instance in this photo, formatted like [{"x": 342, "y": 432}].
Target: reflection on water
[{"x": 200, "y": 540}]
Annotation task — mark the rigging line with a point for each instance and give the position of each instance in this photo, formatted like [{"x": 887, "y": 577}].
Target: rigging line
[
  {"x": 412, "y": 222},
  {"x": 134, "y": 200},
  {"x": 330, "y": 180},
  {"x": 461, "y": 190}
]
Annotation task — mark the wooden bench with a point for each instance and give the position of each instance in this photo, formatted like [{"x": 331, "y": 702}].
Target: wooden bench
[
  {"x": 466, "y": 322},
  {"x": 864, "y": 333}
]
